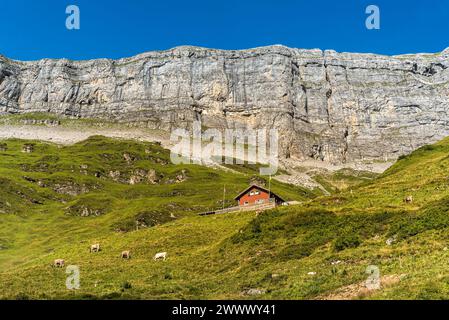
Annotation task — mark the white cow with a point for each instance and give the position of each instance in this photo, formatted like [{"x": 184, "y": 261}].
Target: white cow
[
  {"x": 160, "y": 255},
  {"x": 126, "y": 255},
  {"x": 408, "y": 199},
  {"x": 59, "y": 263},
  {"x": 95, "y": 247}
]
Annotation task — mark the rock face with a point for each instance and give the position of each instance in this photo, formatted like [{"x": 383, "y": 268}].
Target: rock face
[{"x": 329, "y": 106}]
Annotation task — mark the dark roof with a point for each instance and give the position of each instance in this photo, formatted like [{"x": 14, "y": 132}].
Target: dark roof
[{"x": 260, "y": 188}]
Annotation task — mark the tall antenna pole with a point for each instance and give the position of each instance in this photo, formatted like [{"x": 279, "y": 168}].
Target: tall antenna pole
[
  {"x": 224, "y": 195},
  {"x": 269, "y": 186}
]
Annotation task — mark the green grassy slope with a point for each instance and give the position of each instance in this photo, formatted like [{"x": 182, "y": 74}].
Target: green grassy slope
[
  {"x": 56, "y": 201},
  {"x": 337, "y": 237},
  {"x": 353, "y": 227}
]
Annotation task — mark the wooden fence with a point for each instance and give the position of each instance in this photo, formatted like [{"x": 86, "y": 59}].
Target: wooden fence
[{"x": 254, "y": 207}]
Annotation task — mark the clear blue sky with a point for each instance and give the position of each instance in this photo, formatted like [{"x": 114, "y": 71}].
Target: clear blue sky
[{"x": 36, "y": 29}]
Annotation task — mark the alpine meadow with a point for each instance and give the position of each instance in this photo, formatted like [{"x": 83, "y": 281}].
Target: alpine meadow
[
  {"x": 172, "y": 152},
  {"x": 57, "y": 200}
]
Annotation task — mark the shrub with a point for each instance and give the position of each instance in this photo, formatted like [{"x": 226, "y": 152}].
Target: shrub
[
  {"x": 111, "y": 295},
  {"x": 92, "y": 205},
  {"x": 346, "y": 241},
  {"x": 145, "y": 219},
  {"x": 295, "y": 251},
  {"x": 431, "y": 291},
  {"x": 428, "y": 147},
  {"x": 22, "y": 296},
  {"x": 434, "y": 217},
  {"x": 126, "y": 285}
]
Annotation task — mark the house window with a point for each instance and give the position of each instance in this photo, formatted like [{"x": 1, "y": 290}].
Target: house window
[
  {"x": 260, "y": 201},
  {"x": 257, "y": 192},
  {"x": 251, "y": 193},
  {"x": 245, "y": 203}
]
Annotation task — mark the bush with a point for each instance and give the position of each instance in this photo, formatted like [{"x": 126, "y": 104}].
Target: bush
[
  {"x": 434, "y": 217},
  {"x": 145, "y": 219},
  {"x": 428, "y": 147},
  {"x": 91, "y": 205},
  {"x": 126, "y": 285},
  {"x": 111, "y": 295},
  {"x": 295, "y": 251},
  {"x": 22, "y": 296},
  {"x": 432, "y": 291},
  {"x": 346, "y": 241}
]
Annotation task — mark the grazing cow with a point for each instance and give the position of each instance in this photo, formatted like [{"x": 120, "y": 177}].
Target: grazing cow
[
  {"x": 95, "y": 247},
  {"x": 408, "y": 199},
  {"x": 126, "y": 255},
  {"x": 59, "y": 263},
  {"x": 160, "y": 255}
]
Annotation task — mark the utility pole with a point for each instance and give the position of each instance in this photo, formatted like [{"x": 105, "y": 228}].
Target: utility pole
[
  {"x": 224, "y": 195},
  {"x": 269, "y": 188}
]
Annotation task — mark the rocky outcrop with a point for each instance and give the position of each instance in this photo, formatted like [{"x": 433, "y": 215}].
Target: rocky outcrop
[
  {"x": 142, "y": 175},
  {"x": 46, "y": 122},
  {"x": 28, "y": 148},
  {"x": 328, "y": 106}
]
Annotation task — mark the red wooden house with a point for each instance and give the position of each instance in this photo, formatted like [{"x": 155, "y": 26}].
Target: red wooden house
[{"x": 256, "y": 195}]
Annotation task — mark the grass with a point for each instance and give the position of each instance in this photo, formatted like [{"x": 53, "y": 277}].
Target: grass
[
  {"x": 58, "y": 199},
  {"x": 45, "y": 194},
  {"x": 343, "y": 179}
]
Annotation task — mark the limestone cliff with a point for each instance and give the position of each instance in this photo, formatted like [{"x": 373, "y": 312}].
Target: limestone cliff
[{"x": 337, "y": 107}]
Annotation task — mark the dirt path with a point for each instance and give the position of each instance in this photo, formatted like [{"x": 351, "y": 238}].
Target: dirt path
[
  {"x": 301, "y": 179},
  {"x": 359, "y": 290},
  {"x": 376, "y": 167}
]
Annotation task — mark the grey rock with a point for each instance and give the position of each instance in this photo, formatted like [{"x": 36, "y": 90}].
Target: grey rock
[
  {"x": 70, "y": 188},
  {"x": 28, "y": 148},
  {"x": 128, "y": 158},
  {"x": 328, "y": 106},
  {"x": 181, "y": 177},
  {"x": 141, "y": 175},
  {"x": 152, "y": 176},
  {"x": 115, "y": 175},
  {"x": 46, "y": 122},
  {"x": 391, "y": 240},
  {"x": 253, "y": 292}
]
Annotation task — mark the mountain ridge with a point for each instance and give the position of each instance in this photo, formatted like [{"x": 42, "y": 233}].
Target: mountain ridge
[
  {"x": 194, "y": 47},
  {"x": 327, "y": 106}
]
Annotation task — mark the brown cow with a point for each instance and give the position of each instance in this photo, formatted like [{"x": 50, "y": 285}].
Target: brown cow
[{"x": 126, "y": 255}]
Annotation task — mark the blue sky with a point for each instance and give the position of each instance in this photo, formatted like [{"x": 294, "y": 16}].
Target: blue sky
[{"x": 36, "y": 29}]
